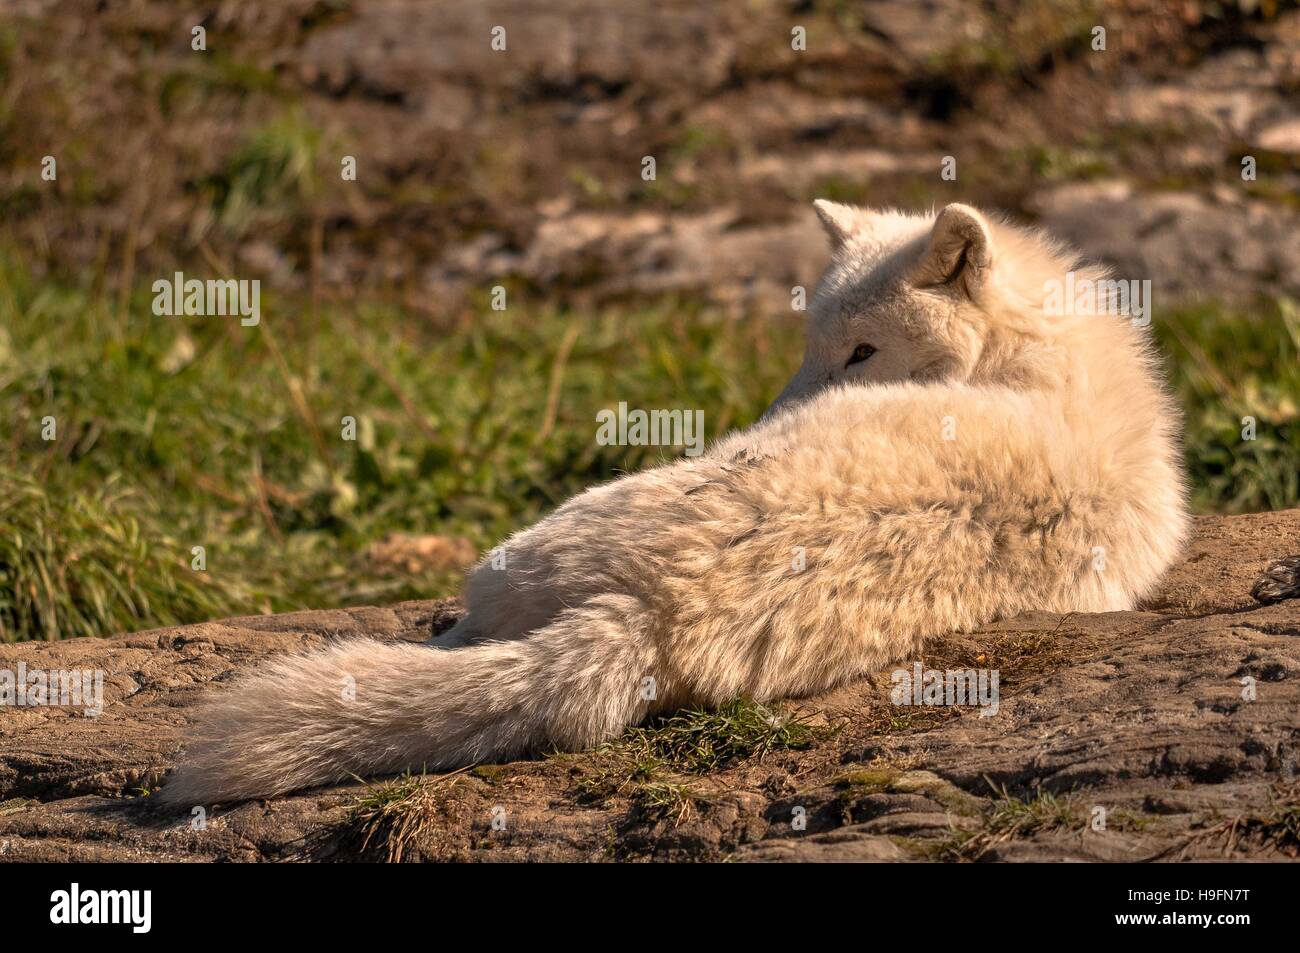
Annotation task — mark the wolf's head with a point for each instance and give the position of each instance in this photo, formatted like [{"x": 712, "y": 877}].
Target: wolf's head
[{"x": 953, "y": 296}]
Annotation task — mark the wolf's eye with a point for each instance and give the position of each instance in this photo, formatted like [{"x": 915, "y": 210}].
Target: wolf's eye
[{"x": 860, "y": 354}]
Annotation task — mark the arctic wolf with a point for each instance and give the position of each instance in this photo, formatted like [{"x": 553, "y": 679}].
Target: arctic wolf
[{"x": 947, "y": 454}]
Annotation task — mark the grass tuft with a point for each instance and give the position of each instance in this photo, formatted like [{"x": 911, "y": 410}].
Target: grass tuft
[
  {"x": 652, "y": 765},
  {"x": 391, "y": 818},
  {"x": 76, "y": 563},
  {"x": 1276, "y": 828},
  {"x": 1010, "y": 818}
]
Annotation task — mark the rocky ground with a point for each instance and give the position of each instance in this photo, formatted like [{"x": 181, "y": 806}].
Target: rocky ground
[
  {"x": 1169, "y": 733},
  {"x": 524, "y": 165}
]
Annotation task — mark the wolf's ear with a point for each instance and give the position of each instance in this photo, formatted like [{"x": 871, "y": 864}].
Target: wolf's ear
[
  {"x": 959, "y": 252},
  {"x": 840, "y": 221}
]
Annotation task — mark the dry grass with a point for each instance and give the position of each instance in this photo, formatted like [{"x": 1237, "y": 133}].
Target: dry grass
[
  {"x": 1010, "y": 818},
  {"x": 392, "y": 817},
  {"x": 1275, "y": 829}
]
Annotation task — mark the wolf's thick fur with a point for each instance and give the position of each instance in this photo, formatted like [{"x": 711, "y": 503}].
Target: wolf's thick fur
[{"x": 985, "y": 460}]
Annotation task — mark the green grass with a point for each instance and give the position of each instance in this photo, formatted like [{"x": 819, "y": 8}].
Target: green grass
[
  {"x": 1227, "y": 366},
  {"x": 76, "y": 562},
  {"x": 695, "y": 741},
  {"x": 271, "y": 176},
  {"x": 652, "y": 764},
  {"x": 179, "y": 432},
  {"x": 173, "y": 433}
]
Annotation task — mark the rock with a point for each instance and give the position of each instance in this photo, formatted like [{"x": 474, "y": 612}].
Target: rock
[
  {"x": 852, "y": 844},
  {"x": 1172, "y": 720},
  {"x": 1280, "y": 580},
  {"x": 922, "y": 31},
  {"x": 654, "y": 253},
  {"x": 402, "y": 552},
  {"x": 409, "y": 49},
  {"x": 1187, "y": 244},
  {"x": 458, "y": 144},
  {"x": 1230, "y": 93},
  {"x": 149, "y": 679},
  {"x": 1280, "y": 136},
  {"x": 803, "y": 171},
  {"x": 1163, "y": 702}
]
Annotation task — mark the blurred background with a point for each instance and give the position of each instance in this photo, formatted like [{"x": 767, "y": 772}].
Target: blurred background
[{"x": 523, "y": 168}]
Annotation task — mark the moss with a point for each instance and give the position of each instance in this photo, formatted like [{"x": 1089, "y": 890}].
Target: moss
[
  {"x": 868, "y": 779},
  {"x": 861, "y": 782},
  {"x": 938, "y": 789},
  {"x": 13, "y": 805},
  {"x": 491, "y": 772}
]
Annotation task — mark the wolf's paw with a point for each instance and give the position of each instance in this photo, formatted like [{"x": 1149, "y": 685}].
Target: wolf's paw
[{"x": 1281, "y": 580}]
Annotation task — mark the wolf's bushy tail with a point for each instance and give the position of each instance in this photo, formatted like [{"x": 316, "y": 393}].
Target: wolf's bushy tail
[{"x": 365, "y": 707}]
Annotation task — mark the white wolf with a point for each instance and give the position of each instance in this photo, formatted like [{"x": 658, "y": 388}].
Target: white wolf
[{"x": 946, "y": 455}]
